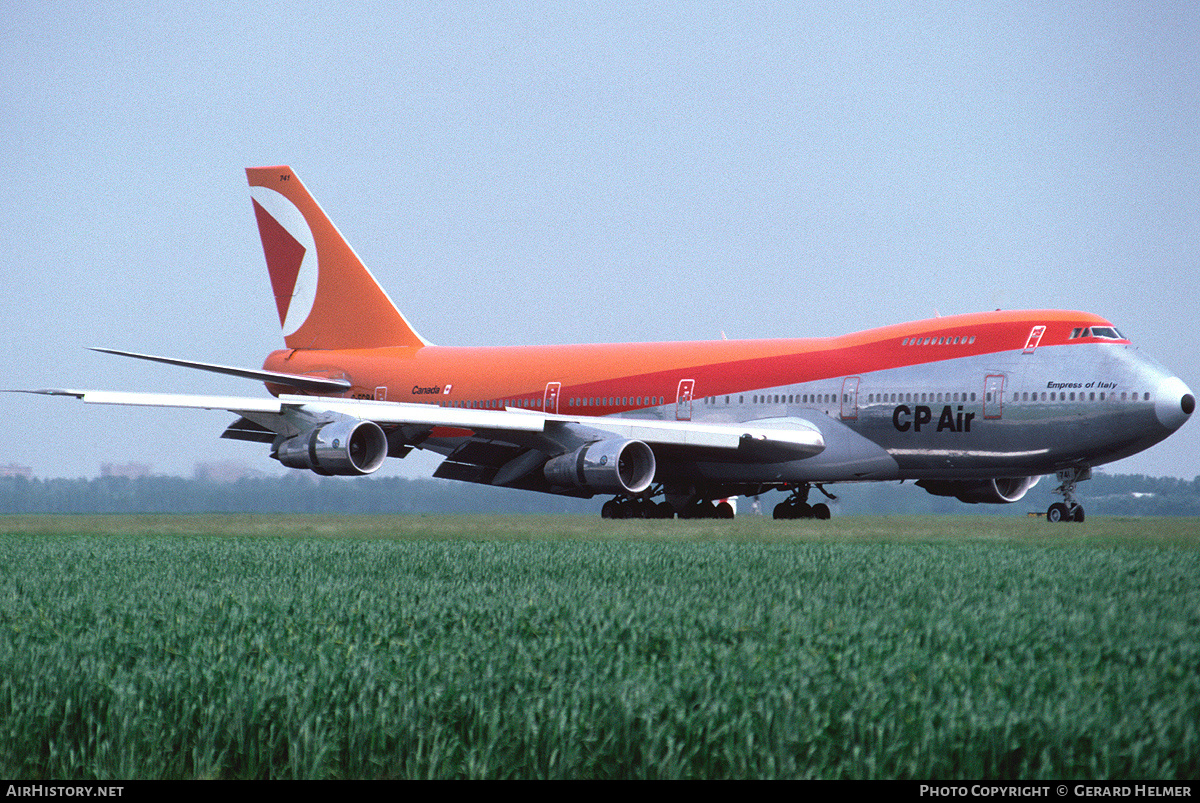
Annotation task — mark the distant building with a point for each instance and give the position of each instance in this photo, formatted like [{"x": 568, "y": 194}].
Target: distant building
[
  {"x": 224, "y": 472},
  {"x": 14, "y": 470},
  {"x": 131, "y": 471}
]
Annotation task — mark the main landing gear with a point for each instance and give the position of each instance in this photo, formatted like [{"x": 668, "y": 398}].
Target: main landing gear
[
  {"x": 643, "y": 507},
  {"x": 796, "y": 506},
  {"x": 1071, "y": 510},
  {"x": 623, "y": 507},
  {"x": 687, "y": 504}
]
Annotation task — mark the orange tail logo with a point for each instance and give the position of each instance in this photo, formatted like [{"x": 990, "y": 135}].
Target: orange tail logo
[{"x": 326, "y": 297}]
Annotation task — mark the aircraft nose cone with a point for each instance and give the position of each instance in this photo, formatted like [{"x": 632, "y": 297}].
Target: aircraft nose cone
[{"x": 1173, "y": 403}]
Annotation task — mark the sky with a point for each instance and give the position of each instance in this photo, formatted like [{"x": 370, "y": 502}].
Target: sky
[{"x": 579, "y": 172}]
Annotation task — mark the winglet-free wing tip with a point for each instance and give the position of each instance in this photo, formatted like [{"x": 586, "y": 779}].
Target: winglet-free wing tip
[{"x": 50, "y": 392}]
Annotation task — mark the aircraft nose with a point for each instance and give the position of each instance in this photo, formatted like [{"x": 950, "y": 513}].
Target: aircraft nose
[{"x": 1173, "y": 402}]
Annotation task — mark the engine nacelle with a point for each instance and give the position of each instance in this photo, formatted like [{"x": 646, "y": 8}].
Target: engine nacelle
[
  {"x": 348, "y": 447},
  {"x": 614, "y": 466},
  {"x": 997, "y": 491}
]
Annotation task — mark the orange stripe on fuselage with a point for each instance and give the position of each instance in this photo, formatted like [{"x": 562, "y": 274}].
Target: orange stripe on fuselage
[{"x": 655, "y": 369}]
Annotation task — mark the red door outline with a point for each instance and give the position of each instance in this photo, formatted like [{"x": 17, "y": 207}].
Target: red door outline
[
  {"x": 1035, "y": 337},
  {"x": 683, "y": 399},
  {"x": 550, "y": 400}
]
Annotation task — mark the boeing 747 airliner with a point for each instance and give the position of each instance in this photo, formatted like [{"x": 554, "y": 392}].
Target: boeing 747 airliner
[{"x": 977, "y": 407}]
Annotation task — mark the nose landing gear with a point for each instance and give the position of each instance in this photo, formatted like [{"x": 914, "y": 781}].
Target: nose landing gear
[{"x": 1071, "y": 510}]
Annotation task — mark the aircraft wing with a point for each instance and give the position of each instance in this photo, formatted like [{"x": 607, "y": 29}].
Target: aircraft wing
[
  {"x": 508, "y": 434},
  {"x": 234, "y": 404}
]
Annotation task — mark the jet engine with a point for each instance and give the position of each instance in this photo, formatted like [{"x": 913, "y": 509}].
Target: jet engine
[
  {"x": 346, "y": 447},
  {"x": 999, "y": 490},
  {"x": 614, "y": 466}
]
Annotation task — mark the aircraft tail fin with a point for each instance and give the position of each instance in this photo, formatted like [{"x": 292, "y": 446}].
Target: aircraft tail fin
[{"x": 326, "y": 297}]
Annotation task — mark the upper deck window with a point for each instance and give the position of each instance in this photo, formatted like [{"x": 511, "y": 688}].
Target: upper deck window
[{"x": 941, "y": 341}]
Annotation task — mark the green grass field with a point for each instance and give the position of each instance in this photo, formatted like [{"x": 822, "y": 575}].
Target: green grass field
[{"x": 329, "y": 647}]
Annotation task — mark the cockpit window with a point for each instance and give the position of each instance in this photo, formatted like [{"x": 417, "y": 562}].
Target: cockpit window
[{"x": 1104, "y": 332}]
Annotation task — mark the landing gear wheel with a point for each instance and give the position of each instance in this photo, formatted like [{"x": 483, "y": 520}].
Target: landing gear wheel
[
  {"x": 724, "y": 511},
  {"x": 792, "y": 509},
  {"x": 1058, "y": 512},
  {"x": 609, "y": 509},
  {"x": 1077, "y": 513},
  {"x": 789, "y": 509}
]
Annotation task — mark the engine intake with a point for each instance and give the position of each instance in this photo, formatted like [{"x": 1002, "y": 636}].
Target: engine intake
[
  {"x": 613, "y": 466},
  {"x": 996, "y": 491},
  {"x": 348, "y": 448}
]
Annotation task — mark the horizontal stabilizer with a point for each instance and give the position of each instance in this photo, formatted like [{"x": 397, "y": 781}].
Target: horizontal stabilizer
[{"x": 312, "y": 384}]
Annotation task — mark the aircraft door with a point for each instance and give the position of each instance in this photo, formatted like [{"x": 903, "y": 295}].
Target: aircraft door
[
  {"x": 683, "y": 399},
  {"x": 993, "y": 396},
  {"x": 550, "y": 400},
  {"x": 1035, "y": 337},
  {"x": 850, "y": 398},
  {"x": 381, "y": 393}
]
